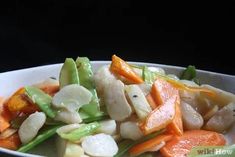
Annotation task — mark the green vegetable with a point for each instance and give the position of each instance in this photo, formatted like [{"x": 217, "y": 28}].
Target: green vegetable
[
  {"x": 85, "y": 75},
  {"x": 87, "y": 118},
  {"x": 189, "y": 73},
  {"x": 125, "y": 145},
  {"x": 39, "y": 139},
  {"x": 68, "y": 73},
  {"x": 42, "y": 99},
  {"x": 149, "y": 76},
  {"x": 84, "y": 130}
]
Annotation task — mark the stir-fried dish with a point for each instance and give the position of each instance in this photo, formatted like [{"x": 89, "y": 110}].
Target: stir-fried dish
[{"x": 119, "y": 110}]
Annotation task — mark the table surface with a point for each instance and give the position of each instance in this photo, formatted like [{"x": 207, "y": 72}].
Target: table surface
[{"x": 47, "y": 32}]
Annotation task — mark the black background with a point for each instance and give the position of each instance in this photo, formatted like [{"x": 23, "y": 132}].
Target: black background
[{"x": 36, "y": 33}]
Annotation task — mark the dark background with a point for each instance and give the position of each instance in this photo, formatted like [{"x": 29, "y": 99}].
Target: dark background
[{"x": 36, "y": 33}]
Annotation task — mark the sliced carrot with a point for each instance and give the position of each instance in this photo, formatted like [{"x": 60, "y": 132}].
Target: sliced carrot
[
  {"x": 176, "y": 126},
  {"x": 51, "y": 89},
  {"x": 151, "y": 102},
  {"x": 18, "y": 102},
  {"x": 4, "y": 122},
  {"x": 120, "y": 67},
  {"x": 162, "y": 91},
  {"x": 12, "y": 142},
  {"x": 148, "y": 145},
  {"x": 160, "y": 117},
  {"x": 181, "y": 145},
  {"x": 182, "y": 86}
]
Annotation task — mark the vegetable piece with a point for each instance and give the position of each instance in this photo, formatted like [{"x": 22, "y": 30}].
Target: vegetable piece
[
  {"x": 30, "y": 127},
  {"x": 189, "y": 73},
  {"x": 12, "y": 142},
  {"x": 42, "y": 99},
  {"x": 167, "y": 97},
  {"x": 149, "y": 76},
  {"x": 147, "y": 145},
  {"x": 160, "y": 117},
  {"x": 86, "y": 80},
  {"x": 68, "y": 73},
  {"x": 176, "y": 126},
  {"x": 115, "y": 101},
  {"x": 107, "y": 127},
  {"x": 83, "y": 130},
  {"x": 130, "y": 130},
  {"x": 162, "y": 91},
  {"x": 19, "y": 102},
  {"x": 120, "y": 67},
  {"x": 39, "y": 139},
  {"x": 67, "y": 128},
  {"x": 87, "y": 118},
  {"x": 73, "y": 150},
  {"x": 192, "y": 120},
  {"x": 125, "y": 145},
  {"x": 138, "y": 101},
  {"x": 72, "y": 97},
  {"x": 151, "y": 101},
  {"x": 100, "y": 145},
  {"x": 223, "y": 119},
  {"x": 68, "y": 149},
  {"x": 7, "y": 133},
  {"x": 222, "y": 97},
  {"x": 4, "y": 116},
  {"x": 181, "y": 145}
]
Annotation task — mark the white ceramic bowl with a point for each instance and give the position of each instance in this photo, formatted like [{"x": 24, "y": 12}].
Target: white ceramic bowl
[{"x": 11, "y": 81}]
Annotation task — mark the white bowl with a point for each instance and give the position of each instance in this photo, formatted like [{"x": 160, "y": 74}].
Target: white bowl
[{"x": 11, "y": 81}]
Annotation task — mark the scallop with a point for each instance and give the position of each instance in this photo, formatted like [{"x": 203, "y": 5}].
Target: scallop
[
  {"x": 102, "y": 77},
  {"x": 31, "y": 125},
  {"x": 100, "y": 145},
  {"x": 130, "y": 130},
  {"x": 192, "y": 120},
  {"x": 68, "y": 116},
  {"x": 107, "y": 127},
  {"x": 223, "y": 119},
  {"x": 115, "y": 100}
]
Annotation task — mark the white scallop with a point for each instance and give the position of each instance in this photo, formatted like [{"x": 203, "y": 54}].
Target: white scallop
[
  {"x": 100, "y": 145},
  {"x": 30, "y": 127}
]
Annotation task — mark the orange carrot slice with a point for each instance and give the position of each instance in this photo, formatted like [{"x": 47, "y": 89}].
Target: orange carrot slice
[
  {"x": 176, "y": 126},
  {"x": 162, "y": 91},
  {"x": 148, "y": 145},
  {"x": 181, "y": 145},
  {"x": 160, "y": 117},
  {"x": 120, "y": 67},
  {"x": 18, "y": 102},
  {"x": 12, "y": 142},
  {"x": 4, "y": 123},
  {"x": 151, "y": 101}
]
